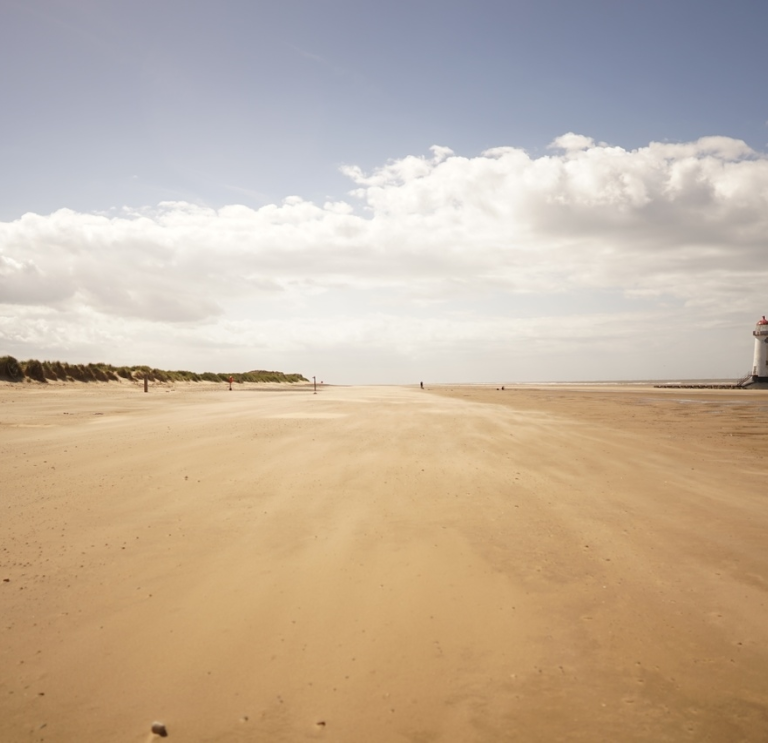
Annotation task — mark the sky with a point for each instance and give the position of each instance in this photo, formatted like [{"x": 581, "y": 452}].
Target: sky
[{"x": 385, "y": 193}]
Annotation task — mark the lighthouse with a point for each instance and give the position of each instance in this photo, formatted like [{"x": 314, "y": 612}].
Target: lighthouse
[{"x": 760, "y": 364}]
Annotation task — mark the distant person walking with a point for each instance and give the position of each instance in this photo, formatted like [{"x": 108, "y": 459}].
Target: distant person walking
[
  {"x": 231, "y": 379},
  {"x": 422, "y": 385}
]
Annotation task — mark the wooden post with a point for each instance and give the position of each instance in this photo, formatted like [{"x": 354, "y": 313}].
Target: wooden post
[
  {"x": 146, "y": 382},
  {"x": 314, "y": 380}
]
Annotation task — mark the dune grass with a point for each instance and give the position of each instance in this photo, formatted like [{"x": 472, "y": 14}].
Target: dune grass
[{"x": 12, "y": 370}]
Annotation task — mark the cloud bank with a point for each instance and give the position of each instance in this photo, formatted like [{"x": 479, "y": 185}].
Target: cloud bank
[{"x": 418, "y": 247}]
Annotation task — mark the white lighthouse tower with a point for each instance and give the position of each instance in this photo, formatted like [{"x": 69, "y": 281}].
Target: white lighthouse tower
[{"x": 760, "y": 364}]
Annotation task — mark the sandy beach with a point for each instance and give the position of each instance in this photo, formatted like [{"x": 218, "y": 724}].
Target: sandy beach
[{"x": 383, "y": 564}]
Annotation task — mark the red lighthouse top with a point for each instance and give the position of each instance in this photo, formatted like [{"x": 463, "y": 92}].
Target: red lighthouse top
[{"x": 763, "y": 321}]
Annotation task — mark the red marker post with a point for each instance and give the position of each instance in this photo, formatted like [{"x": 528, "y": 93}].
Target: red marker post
[{"x": 231, "y": 379}]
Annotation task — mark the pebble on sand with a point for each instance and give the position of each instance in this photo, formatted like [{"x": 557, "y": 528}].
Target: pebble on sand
[{"x": 159, "y": 729}]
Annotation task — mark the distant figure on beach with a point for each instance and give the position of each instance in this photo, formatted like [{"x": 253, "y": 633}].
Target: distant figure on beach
[
  {"x": 231, "y": 379},
  {"x": 422, "y": 385}
]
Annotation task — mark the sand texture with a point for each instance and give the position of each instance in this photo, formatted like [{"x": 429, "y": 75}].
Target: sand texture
[{"x": 383, "y": 564}]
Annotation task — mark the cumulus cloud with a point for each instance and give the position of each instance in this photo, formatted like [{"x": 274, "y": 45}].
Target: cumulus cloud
[
  {"x": 571, "y": 141},
  {"x": 683, "y": 222}
]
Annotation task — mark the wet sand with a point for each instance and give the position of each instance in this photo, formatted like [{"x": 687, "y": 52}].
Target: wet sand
[{"x": 383, "y": 564}]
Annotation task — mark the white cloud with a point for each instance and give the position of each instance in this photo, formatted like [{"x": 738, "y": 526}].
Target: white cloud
[
  {"x": 571, "y": 141},
  {"x": 681, "y": 225}
]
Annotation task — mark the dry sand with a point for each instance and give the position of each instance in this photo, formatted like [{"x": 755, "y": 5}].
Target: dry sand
[{"x": 383, "y": 564}]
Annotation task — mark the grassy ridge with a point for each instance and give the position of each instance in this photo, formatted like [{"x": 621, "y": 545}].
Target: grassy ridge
[{"x": 45, "y": 371}]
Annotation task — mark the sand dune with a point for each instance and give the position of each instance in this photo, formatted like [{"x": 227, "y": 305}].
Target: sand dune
[{"x": 383, "y": 564}]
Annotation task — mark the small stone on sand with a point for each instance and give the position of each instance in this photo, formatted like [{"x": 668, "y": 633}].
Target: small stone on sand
[{"x": 159, "y": 729}]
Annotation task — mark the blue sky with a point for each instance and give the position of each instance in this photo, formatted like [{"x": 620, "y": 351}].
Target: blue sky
[{"x": 234, "y": 185}]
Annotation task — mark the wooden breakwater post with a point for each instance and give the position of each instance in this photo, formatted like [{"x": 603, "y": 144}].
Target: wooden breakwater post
[{"x": 146, "y": 382}]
